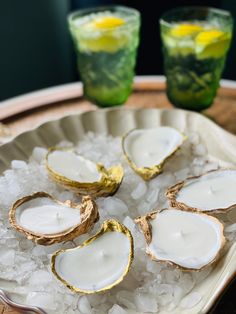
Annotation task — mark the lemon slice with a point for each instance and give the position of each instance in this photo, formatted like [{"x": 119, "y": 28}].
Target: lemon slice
[
  {"x": 108, "y": 22},
  {"x": 208, "y": 36},
  {"x": 212, "y": 43},
  {"x": 103, "y": 34},
  {"x": 185, "y": 29}
]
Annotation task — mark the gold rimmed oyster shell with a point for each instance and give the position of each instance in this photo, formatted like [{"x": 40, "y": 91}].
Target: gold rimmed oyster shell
[
  {"x": 215, "y": 197},
  {"x": 147, "y": 150},
  {"x": 105, "y": 258},
  {"x": 108, "y": 183},
  {"x": 88, "y": 217},
  {"x": 189, "y": 241}
]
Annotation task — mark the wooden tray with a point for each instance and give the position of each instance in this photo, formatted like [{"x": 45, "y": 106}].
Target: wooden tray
[{"x": 27, "y": 111}]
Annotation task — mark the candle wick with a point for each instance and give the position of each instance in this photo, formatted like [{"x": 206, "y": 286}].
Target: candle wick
[
  {"x": 182, "y": 233},
  {"x": 103, "y": 254},
  {"x": 211, "y": 190},
  {"x": 58, "y": 217}
]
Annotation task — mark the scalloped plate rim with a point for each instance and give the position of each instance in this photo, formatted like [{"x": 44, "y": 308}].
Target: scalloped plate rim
[{"x": 229, "y": 269}]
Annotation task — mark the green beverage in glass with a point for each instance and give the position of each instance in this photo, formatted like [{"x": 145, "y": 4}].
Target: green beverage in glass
[
  {"x": 195, "y": 43},
  {"x": 106, "y": 41}
]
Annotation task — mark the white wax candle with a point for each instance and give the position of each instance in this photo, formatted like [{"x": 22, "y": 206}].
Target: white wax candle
[
  {"x": 211, "y": 191},
  {"x": 73, "y": 167},
  {"x": 96, "y": 265},
  {"x": 149, "y": 147},
  {"x": 188, "y": 239},
  {"x": 49, "y": 219}
]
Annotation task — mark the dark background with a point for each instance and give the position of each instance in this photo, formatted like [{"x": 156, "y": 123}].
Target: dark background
[
  {"x": 36, "y": 52},
  {"x": 36, "y": 49}
]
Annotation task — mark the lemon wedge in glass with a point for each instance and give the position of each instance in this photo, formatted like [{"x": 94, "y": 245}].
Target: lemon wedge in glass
[
  {"x": 212, "y": 43},
  {"x": 108, "y": 22},
  {"x": 185, "y": 29},
  {"x": 103, "y": 34}
]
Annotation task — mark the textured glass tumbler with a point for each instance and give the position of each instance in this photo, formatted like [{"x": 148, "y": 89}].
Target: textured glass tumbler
[
  {"x": 106, "y": 41},
  {"x": 195, "y": 41}
]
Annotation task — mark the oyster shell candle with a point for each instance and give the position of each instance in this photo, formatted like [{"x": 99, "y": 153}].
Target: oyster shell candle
[
  {"x": 83, "y": 176},
  {"x": 188, "y": 240},
  {"x": 99, "y": 263},
  {"x": 211, "y": 192},
  {"x": 45, "y": 220},
  {"x": 147, "y": 150}
]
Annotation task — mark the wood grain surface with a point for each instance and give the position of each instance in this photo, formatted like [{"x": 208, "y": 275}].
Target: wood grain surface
[
  {"x": 4, "y": 309},
  {"x": 149, "y": 95},
  {"x": 146, "y": 94}
]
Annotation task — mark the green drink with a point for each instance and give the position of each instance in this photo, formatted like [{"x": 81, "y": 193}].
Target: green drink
[
  {"x": 195, "y": 44},
  {"x": 106, "y": 41}
]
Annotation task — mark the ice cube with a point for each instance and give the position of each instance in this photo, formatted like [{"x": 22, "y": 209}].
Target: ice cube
[
  {"x": 40, "y": 278},
  {"x": 7, "y": 257},
  {"x": 153, "y": 195},
  {"x": 200, "y": 150},
  {"x": 178, "y": 294},
  {"x": 143, "y": 208},
  {"x": 182, "y": 174},
  {"x": 165, "y": 293},
  {"x": 84, "y": 305},
  {"x": 186, "y": 282},
  {"x": 153, "y": 267},
  {"x": 139, "y": 191},
  {"x": 145, "y": 302},
  {"x": 97, "y": 299},
  {"x": 129, "y": 223},
  {"x": 126, "y": 298},
  {"x": 39, "y": 154},
  {"x": 39, "y": 250},
  {"x": 113, "y": 206},
  {"x": 25, "y": 244},
  {"x": 116, "y": 309},
  {"x": 18, "y": 164}
]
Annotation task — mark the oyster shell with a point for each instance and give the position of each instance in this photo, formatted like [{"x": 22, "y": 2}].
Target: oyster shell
[
  {"x": 83, "y": 176},
  {"x": 45, "y": 220},
  {"x": 147, "y": 150},
  {"x": 212, "y": 192},
  {"x": 188, "y": 240},
  {"x": 99, "y": 264}
]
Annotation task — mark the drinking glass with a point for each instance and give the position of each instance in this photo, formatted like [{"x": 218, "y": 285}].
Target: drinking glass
[
  {"x": 106, "y": 41},
  {"x": 195, "y": 42}
]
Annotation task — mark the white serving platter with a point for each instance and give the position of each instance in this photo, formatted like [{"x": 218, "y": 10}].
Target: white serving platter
[{"x": 220, "y": 144}]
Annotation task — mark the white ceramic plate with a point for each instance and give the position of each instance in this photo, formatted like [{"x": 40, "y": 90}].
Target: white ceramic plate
[{"x": 221, "y": 146}]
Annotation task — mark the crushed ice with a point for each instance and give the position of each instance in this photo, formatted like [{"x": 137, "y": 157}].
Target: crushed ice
[{"x": 149, "y": 286}]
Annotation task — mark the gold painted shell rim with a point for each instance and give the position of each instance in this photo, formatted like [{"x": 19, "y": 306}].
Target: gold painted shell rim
[
  {"x": 88, "y": 210},
  {"x": 172, "y": 192},
  {"x": 110, "y": 225},
  {"x": 148, "y": 173},
  {"x": 104, "y": 187},
  {"x": 146, "y": 229}
]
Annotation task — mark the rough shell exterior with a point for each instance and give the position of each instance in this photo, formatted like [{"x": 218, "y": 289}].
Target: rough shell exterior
[
  {"x": 108, "y": 185},
  {"x": 107, "y": 226},
  {"x": 146, "y": 228},
  {"x": 88, "y": 211}
]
